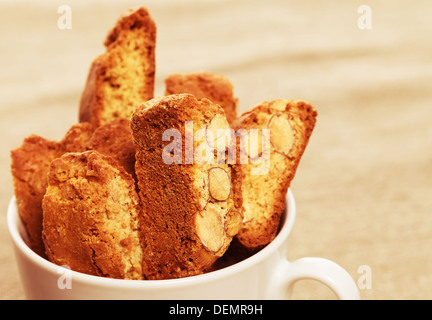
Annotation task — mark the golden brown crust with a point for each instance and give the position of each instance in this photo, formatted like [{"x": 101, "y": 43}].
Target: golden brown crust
[
  {"x": 77, "y": 137},
  {"x": 185, "y": 228},
  {"x": 30, "y": 165},
  {"x": 290, "y": 124},
  {"x": 205, "y": 85},
  {"x": 90, "y": 216},
  {"x": 115, "y": 139},
  {"x": 123, "y": 77}
]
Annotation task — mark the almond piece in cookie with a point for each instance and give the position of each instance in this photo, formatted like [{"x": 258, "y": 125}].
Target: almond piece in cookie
[
  {"x": 90, "y": 216},
  {"x": 190, "y": 211},
  {"x": 219, "y": 183},
  {"x": 273, "y": 156}
]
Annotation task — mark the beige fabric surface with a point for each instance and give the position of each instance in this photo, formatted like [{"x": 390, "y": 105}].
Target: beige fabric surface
[{"x": 364, "y": 186}]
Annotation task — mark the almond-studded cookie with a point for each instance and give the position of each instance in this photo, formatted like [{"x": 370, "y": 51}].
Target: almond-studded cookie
[
  {"x": 272, "y": 138},
  {"x": 190, "y": 212}
]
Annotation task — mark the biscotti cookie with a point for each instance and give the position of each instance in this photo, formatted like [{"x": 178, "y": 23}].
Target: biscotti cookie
[
  {"x": 122, "y": 77},
  {"x": 90, "y": 216},
  {"x": 282, "y": 131},
  {"x": 115, "y": 139},
  {"x": 208, "y": 85},
  {"x": 189, "y": 208},
  {"x": 30, "y": 166}
]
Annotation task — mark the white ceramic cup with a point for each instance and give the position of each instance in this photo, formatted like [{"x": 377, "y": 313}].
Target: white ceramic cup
[{"x": 265, "y": 275}]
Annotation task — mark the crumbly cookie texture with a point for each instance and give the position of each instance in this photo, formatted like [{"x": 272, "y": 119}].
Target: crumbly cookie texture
[
  {"x": 30, "y": 165},
  {"x": 270, "y": 167},
  {"x": 115, "y": 139},
  {"x": 90, "y": 216},
  {"x": 208, "y": 85},
  {"x": 190, "y": 211},
  {"x": 122, "y": 77}
]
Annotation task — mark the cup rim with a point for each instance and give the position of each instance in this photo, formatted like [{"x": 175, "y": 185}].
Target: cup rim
[{"x": 14, "y": 222}]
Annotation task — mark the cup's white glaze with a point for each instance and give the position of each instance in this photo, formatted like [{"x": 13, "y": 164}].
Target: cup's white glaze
[{"x": 265, "y": 275}]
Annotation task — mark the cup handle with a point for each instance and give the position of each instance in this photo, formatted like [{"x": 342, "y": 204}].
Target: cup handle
[{"x": 323, "y": 270}]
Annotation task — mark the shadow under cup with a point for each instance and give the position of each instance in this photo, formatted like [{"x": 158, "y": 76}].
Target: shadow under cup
[{"x": 250, "y": 278}]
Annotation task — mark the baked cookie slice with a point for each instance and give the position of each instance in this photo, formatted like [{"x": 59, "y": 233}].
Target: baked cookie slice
[
  {"x": 122, "y": 77},
  {"x": 90, "y": 216},
  {"x": 208, "y": 85},
  {"x": 273, "y": 137},
  {"x": 30, "y": 165},
  {"x": 190, "y": 209}
]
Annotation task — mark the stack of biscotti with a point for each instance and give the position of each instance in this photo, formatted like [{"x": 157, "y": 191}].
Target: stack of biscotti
[
  {"x": 31, "y": 163},
  {"x": 30, "y": 166},
  {"x": 78, "y": 198},
  {"x": 157, "y": 188},
  {"x": 118, "y": 81},
  {"x": 271, "y": 138}
]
